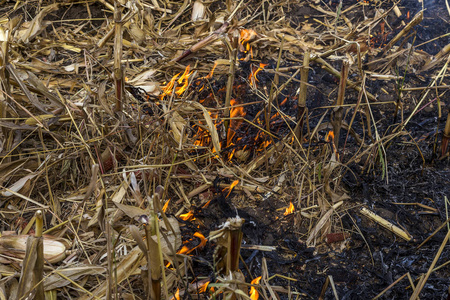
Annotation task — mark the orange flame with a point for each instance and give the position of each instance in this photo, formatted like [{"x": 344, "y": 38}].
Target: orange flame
[
  {"x": 234, "y": 124},
  {"x": 290, "y": 209},
  {"x": 177, "y": 295},
  {"x": 230, "y": 188},
  {"x": 330, "y": 136},
  {"x": 166, "y": 205},
  {"x": 202, "y": 238},
  {"x": 254, "y": 295},
  {"x": 203, "y": 288},
  {"x": 185, "y": 249},
  {"x": 245, "y": 37},
  {"x": 187, "y": 216},
  {"x": 182, "y": 80},
  {"x": 210, "y": 75},
  {"x": 252, "y": 77}
]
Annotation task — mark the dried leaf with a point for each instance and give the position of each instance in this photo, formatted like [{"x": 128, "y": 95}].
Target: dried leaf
[
  {"x": 18, "y": 185},
  {"x": 37, "y": 25},
  {"x": 55, "y": 281}
]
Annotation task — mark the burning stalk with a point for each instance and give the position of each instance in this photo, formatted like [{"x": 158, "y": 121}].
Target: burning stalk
[{"x": 232, "y": 51}]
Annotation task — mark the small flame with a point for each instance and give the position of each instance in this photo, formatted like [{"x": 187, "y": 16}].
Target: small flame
[
  {"x": 210, "y": 75},
  {"x": 290, "y": 209},
  {"x": 252, "y": 77},
  {"x": 254, "y": 295},
  {"x": 203, "y": 288},
  {"x": 183, "y": 250},
  {"x": 177, "y": 295},
  {"x": 182, "y": 80},
  {"x": 231, "y": 187},
  {"x": 166, "y": 205},
  {"x": 330, "y": 136},
  {"x": 187, "y": 216},
  {"x": 186, "y": 250},
  {"x": 245, "y": 37},
  {"x": 202, "y": 238},
  {"x": 235, "y": 112}
]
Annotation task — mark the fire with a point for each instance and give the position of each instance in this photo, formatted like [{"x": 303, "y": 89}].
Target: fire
[
  {"x": 254, "y": 295},
  {"x": 203, "y": 288},
  {"x": 183, "y": 250},
  {"x": 290, "y": 209},
  {"x": 187, "y": 216},
  {"x": 177, "y": 295},
  {"x": 166, "y": 205},
  {"x": 186, "y": 250},
  {"x": 235, "y": 112},
  {"x": 210, "y": 75},
  {"x": 230, "y": 188},
  {"x": 330, "y": 136},
  {"x": 183, "y": 83},
  {"x": 202, "y": 238},
  {"x": 245, "y": 37},
  {"x": 252, "y": 77}
]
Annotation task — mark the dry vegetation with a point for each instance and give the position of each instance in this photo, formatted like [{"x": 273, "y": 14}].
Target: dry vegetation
[{"x": 124, "y": 150}]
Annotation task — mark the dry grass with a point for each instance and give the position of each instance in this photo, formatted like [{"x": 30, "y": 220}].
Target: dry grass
[{"x": 76, "y": 143}]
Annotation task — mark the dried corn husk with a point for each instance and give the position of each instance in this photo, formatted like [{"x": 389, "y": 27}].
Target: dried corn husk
[
  {"x": 198, "y": 11},
  {"x": 15, "y": 245}
]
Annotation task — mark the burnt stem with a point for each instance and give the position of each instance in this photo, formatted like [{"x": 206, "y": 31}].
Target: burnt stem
[
  {"x": 118, "y": 71},
  {"x": 327, "y": 67},
  {"x": 339, "y": 110},
  {"x": 302, "y": 94},
  {"x": 275, "y": 83},
  {"x": 445, "y": 137}
]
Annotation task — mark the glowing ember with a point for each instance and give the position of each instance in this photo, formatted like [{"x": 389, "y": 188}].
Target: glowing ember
[
  {"x": 252, "y": 78},
  {"x": 290, "y": 209},
  {"x": 188, "y": 216},
  {"x": 254, "y": 295}
]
